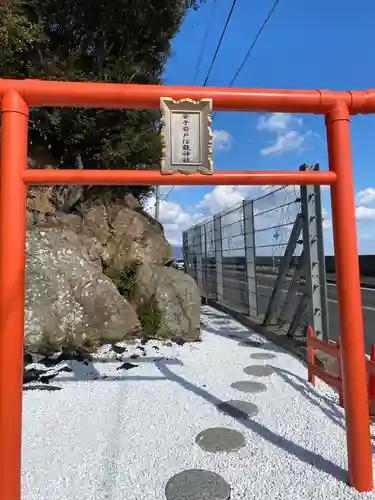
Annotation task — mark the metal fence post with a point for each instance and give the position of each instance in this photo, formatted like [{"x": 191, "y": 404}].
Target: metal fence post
[
  {"x": 321, "y": 262},
  {"x": 185, "y": 250},
  {"x": 204, "y": 262},
  {"x": 314, "y": 252},
  {"x": 200, "y": 240},
  {"x": 218, "y": 258},
  {"x": 250, "y": 264}
]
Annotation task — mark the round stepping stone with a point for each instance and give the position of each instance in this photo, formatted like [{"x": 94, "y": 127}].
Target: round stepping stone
[
  {"x": 238, "y": 408},
  {"x": 249, "y": 387},
  {"x": 262, "y": 355},
  {"x": 259, "y": 370},
  {"x": 219, "y": 439},
  {"x": 197, "y": 484}
]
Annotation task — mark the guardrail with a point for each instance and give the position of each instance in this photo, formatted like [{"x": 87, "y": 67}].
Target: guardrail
[
  {"x": 366, "y": 264},
  {"x": 335, "y": 381}
]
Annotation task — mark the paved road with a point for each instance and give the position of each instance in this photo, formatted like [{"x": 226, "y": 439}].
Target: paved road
[
  {"x": 236, "y": 292},
  {"x": 368, "y": 308}
]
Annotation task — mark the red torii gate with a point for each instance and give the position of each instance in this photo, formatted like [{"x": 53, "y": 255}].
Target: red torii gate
[{"x": 16, "y": 98}]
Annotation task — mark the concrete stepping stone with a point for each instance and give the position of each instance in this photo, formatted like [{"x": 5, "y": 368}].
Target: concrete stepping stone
[
  {"x": 238, "y": 408},
  {"x": 197, "y": 484},
  {"x": 262, "y": 355},
  {"x": 259, "y": 370},
  {"x": 220, "y": 439},
  {"x": 249, "y": 386}
]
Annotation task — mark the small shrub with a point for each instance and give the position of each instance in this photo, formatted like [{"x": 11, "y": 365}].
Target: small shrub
[
  {"x": 48, "y": 345},
  {"x": 126, "y": 281},
  {"x": 151, "y": 318},
  {"x": 90, "y": 345}
]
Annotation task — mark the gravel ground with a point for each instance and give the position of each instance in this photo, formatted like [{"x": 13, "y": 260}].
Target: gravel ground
[{"x": 121, "y": 429}]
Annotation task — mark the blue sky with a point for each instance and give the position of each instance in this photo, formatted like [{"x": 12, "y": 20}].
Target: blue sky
[{"x": 307, "y": 45}]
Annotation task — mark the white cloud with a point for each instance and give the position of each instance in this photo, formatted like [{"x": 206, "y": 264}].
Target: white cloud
[
  {"x": 165, "y": 189},
  {"x": 327, "y": 223},
  {"x": 287, "y": 129},
  {"x": 365, "y": 230},
  {"x": 364, "y": 213},
  {"x": 278, "y": 122},
  {"x": 174, "y": 219},
  {"x": 222, "y": 197},
  {"x": 366, "y": 197},
  {"x": 222, "y": 140},
  {"x": 268, "y": 240},
  {"x": 285, "y": 143}
]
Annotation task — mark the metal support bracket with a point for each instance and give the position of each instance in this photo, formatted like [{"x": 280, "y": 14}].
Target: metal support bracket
[
  {"x": 314, "y": 250},
  {"x": 276, "y": 295}
]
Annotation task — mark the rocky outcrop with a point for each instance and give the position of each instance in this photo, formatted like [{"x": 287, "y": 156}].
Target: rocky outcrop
[
  {"x": 176, "y": 298},
  {"x": 127, "y": 235},
  {"x": 69, "y": 301},
  {"x": 96, "y": 273},
  {"x": 125, "y": 232}
]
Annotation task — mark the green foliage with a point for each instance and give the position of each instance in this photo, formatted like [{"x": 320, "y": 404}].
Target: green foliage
[
  {"x": 18, "y": 35},
  {"x": 151, "y": 318},
  {"x": 48, "y": 345},
  {"x": 149, "y": 314},
  {"x": 92, "y": 40},
  {"x": 126, "y": 281}
]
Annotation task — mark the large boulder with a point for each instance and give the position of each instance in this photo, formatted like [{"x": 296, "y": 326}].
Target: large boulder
[
  {"x": 128, "y": 236},
  {"x": 96, "y": 272},
  {"x": 169, "y": 301},
  {"x": 125, "y": 232},
  {"x": 69, "y": 301}
]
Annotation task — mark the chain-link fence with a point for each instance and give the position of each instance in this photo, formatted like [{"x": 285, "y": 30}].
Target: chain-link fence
[{"x": 249, "y": 258}]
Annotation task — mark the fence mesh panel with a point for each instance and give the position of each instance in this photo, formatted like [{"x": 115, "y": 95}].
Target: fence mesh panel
[
  {"x": 208, "y": 261},
  {"x": 247, "y": 288},
  {"x": 233, "y": 262},
  {"x": 274, "y": 216}
]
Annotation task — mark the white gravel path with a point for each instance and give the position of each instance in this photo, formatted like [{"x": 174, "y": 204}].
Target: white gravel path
[{"x": 113, "y": 434}]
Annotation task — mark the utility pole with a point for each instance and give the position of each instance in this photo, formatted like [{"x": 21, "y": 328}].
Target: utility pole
[{"x": 157, "y": 202}]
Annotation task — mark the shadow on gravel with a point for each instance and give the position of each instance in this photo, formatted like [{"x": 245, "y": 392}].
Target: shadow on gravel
[
  {"x": 312, "y": 395},
  {"x": 83, "y": 371},
  {"x": 329, "y": 407},
  {"x": 292, "y": 448},
  {"x": 244, "y": 338}
]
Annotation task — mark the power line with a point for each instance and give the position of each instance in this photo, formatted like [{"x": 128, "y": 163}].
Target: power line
[
  {"x": 200, "y": 55},
  {"x": 211, "y": 66},
  {"x": 159, "y": 200},
  {"x": 220, "y": 42},
  {"x": 251, "y": 48},
  {"x": 247, "y": 55},
  {"x": 167, "y": 195},
  {"x": 244, "y": 61}
]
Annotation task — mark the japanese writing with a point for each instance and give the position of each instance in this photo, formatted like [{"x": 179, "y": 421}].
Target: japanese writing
[{"x": 186, "y": 146}]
